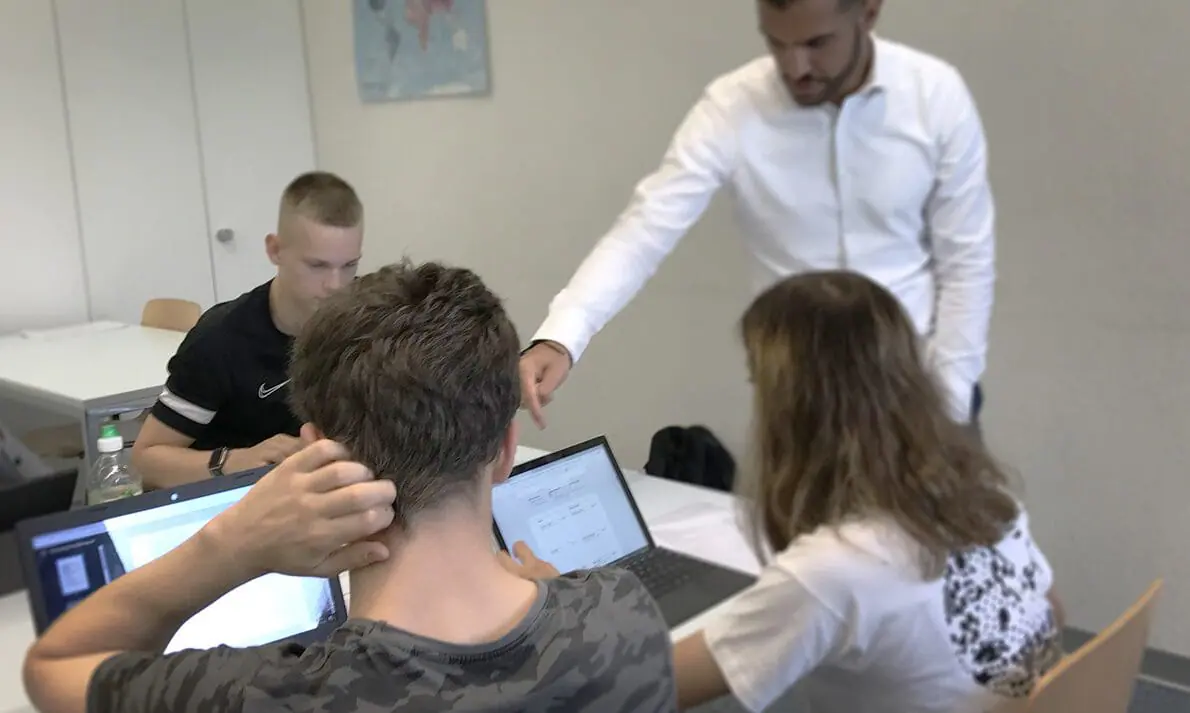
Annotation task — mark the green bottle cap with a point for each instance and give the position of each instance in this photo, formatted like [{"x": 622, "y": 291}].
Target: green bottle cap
[{"x": 109, "y": 430}]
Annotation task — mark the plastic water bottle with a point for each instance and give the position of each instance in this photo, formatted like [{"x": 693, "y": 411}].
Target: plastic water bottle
[{"x": 111, "y": 476}]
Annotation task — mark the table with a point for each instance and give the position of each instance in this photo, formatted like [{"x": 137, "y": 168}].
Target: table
[
  {"x": 87, "y": 372},
  {"x": 657, "y": 498}
]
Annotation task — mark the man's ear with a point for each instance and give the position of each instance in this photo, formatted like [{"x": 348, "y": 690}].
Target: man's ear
[
  {"x": 507, "y": 458},
  {"x": 871, "y": 11},
  {"x": 310, "y": 433},
  {"x": 272, "y": 248}
]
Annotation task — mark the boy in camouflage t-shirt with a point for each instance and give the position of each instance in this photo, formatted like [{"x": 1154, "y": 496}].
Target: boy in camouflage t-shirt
[{"x": 409, "y": 374}]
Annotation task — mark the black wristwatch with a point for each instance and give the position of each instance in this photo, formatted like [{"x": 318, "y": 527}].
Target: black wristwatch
[{"x": 218, "y": 460}]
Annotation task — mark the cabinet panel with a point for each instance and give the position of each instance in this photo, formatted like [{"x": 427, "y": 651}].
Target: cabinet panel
[
  {"x": 130, "y": 104},
  {"x": 254, "y": 122},
  {"x": 44, "y": 284}
]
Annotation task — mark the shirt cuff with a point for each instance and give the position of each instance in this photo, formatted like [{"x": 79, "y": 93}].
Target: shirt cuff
[{"x": 569, "y": 329}]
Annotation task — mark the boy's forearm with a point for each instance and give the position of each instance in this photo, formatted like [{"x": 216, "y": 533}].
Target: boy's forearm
[
  {"x": 142, "y": 610},
  {"x": 166, "y": 466}
]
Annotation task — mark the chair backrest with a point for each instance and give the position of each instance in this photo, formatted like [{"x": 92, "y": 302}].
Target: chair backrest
[
  {"x": 170, "y": 313},
  {"x": 1100, "y": 676}
]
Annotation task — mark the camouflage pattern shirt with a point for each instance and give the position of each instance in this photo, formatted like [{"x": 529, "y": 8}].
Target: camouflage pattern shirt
[{"x": 592, "y": 642}]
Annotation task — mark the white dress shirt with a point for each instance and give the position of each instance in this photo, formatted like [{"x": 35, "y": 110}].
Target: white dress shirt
[{"x": 892, "y": 183}]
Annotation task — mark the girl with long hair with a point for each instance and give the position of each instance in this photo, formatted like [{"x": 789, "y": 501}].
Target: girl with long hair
[{"x": 900, "y": 574}]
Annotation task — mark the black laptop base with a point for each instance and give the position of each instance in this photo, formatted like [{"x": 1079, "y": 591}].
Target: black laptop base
[{"x": 684, "y": 586}]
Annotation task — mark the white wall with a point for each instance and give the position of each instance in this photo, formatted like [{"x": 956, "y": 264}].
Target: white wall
[
  {"x": 520, "y": 185},
  {"x": 1091, "y": 338},
  {"x": 1089, "y": 160}
]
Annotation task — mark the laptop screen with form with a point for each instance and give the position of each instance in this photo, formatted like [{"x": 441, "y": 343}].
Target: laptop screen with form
[
  {"x": 74, "y": 561},
  {"x": 572, "y": 511}
]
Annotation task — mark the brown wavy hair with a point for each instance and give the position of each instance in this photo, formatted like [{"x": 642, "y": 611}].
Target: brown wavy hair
[{"x": 849, "y": 423}]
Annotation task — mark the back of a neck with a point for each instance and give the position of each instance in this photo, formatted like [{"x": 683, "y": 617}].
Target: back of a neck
[{"x": 443, "y": 582}]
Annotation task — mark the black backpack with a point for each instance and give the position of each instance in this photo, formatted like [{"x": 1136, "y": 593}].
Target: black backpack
[{"x": 691, "y": 455}]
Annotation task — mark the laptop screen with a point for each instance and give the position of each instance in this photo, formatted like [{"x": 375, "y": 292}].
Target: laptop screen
[
  {"x": 72, "y": 562},
  {"x": 573, "y": 511}
]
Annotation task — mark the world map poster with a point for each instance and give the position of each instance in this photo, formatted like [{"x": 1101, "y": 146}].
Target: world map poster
[{"x": 411, "y": 49}]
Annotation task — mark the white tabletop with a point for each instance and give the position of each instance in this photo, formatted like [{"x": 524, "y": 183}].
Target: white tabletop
[
  {"x": 657, "y": 499},
  {"x": 86, "y": 364}
]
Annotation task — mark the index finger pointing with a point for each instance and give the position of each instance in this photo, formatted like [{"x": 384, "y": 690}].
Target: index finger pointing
[
  {"x": 529, "y": 397},
  {"x": 535, "y": 411}
]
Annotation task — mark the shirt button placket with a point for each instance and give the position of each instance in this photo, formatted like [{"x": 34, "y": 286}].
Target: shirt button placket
[{"x": 842, "y": 183}]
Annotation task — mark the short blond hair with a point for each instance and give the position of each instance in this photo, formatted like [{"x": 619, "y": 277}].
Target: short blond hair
[{"x": 323, "y": 198}]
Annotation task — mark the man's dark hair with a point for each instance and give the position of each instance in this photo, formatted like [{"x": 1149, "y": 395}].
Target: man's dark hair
[{"x": 414, "y": 369}]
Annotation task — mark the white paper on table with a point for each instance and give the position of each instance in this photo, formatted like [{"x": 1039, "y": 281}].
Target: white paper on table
[
  {"x": 71, "y": 331},
  {"x": 708, "y": 531}
]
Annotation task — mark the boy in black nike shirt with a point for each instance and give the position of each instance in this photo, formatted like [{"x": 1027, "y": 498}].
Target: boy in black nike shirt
[{"x": 225, "y": 405}]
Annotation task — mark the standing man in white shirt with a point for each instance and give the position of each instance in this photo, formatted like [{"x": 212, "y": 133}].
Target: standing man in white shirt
[{"x": 841, "y": 150}]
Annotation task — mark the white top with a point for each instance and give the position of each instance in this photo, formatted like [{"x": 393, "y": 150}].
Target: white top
[
  {"x": 845, "y": 614},
  {"x": 89, "y": 363},
  {"x": 892, "y": 184}
]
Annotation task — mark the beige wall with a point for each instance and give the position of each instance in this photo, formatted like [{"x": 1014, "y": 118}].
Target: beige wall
[{"x": 1087, "y": 125}]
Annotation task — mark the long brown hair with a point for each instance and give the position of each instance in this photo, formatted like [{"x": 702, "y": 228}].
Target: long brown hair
[{"x": 849, "y": 423}]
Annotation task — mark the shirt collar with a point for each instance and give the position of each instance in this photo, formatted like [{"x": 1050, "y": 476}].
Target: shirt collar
[{"x": 880, "y": 75}]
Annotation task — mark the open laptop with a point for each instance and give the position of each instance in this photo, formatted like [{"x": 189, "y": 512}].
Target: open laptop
[
  {"x": 574, "y": 509},
  {"x": 67, "y": 556}
]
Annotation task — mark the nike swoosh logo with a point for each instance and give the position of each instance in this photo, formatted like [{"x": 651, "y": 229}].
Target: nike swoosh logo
[{"x": 265, "y": 393}]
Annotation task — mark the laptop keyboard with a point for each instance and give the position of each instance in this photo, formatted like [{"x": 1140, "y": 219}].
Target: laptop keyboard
[{"x": 662, "y": 571}]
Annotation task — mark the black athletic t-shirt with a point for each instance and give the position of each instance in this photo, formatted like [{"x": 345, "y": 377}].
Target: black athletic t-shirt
[{"x": 228, "y": 382}]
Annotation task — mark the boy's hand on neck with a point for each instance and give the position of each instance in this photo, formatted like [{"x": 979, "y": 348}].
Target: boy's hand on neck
[{"x": 312, "y": 515}]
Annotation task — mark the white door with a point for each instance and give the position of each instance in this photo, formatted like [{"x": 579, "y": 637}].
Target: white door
[
  {"x": 134, "y": 140},
  {"x": 39, "y": 232},
  {"x": 253, "y": 106}
]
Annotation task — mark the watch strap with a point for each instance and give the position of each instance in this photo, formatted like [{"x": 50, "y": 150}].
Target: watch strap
[{"x": 217, "y": 461}]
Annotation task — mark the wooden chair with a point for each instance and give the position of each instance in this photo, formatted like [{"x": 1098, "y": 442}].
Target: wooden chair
[
  {"x": 66, "y": 441},
  {"x": 170, "y": 313},
  {"x": 1100, "y": 676}
]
